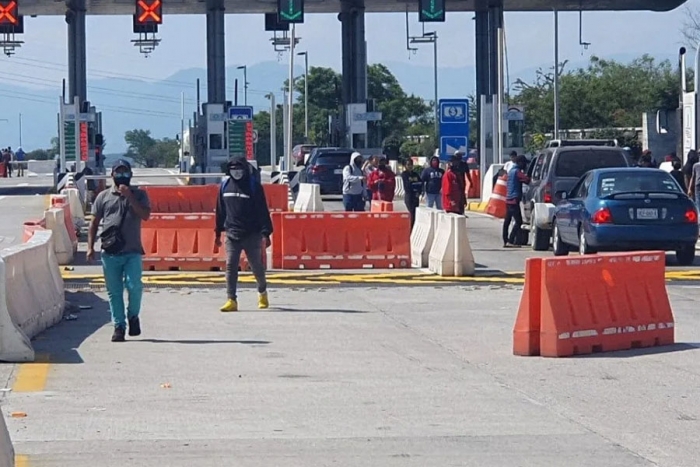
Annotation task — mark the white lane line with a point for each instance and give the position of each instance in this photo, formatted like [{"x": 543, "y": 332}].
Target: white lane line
[
  {"x": 175, "y": 172},
  {"x": 22, "y": 184}
]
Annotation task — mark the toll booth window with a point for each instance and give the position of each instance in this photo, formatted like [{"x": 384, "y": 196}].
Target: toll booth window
[
  {"x": 216, "y": 142},
  {"x": 516, "y": 134}
]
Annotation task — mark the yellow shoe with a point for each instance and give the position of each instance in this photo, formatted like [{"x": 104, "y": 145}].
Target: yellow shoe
[
  {"x": 263, "y": 301},
  {"x": 230, "y": 305}
]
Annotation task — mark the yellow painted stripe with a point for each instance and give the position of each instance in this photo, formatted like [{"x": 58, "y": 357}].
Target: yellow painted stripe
[
  {"x": 22, "y": 461},
  {"x": 32, "y": 377}
]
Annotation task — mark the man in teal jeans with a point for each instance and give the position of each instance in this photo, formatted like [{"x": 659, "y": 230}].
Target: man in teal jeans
[{"x": 123, "y": 207}]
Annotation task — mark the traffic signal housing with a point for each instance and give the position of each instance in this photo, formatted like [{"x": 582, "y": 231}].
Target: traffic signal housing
[
  {"x": 431, "y": 11},
  {"x": 11, "y": 22},
  {"x": 148, "y": 15}
]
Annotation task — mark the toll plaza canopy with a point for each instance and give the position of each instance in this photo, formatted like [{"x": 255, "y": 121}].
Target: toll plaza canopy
[{"x": 180, "y": 7}]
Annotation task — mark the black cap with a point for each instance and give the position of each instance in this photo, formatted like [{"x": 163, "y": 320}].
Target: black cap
[
  {"x": 121, "y": 163},
  {"x": 239, "y": 161}
]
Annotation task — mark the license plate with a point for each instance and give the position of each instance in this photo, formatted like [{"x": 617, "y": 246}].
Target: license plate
[
  {"x": 338, "y": 171},
  {"x": 648, "y": 214}
]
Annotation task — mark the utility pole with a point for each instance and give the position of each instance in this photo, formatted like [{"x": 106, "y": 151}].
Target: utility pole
[
  {"x": 556, "y": 74},
  {"x": 245, "y": 83},
  {"x": 273, "y": 131},
  {"x": 306, "y": 95},
  {"x": 290, "y": 104}
]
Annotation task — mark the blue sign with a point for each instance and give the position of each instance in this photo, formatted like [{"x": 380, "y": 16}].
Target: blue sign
[
  {"x": 241, "y": 113},
  {"x": 454, "y": 126}
]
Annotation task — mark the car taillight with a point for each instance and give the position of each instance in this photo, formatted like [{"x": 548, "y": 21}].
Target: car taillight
[
  {"x": 317, "y": 169},
  {"x": 691, "y": 215},
  {"x": 548, "y": 193},
  {"x": 602, "y": 216}
]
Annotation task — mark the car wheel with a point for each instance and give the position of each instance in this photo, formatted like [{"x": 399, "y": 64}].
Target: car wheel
[
  {"x": 540, "y": 239},
  {"x": 559, "y": 247},
  {"x": 686, "y": 255},
  {"x": 583, "y": 247}
]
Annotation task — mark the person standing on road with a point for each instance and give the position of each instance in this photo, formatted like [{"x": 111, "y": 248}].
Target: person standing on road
[
  {"x": 19, "y": 157},
  {"x": 242, "y": 212},
  {"x": 122, "y": 209},
  {"x": 466, "y": 177},
  {"x": 678, "y": 175},
  {"x": 690, "y": 161},
  {"x": 382, "y": 182},
  {"x": 432, "y": 178},
  {"x": 354, "y": 184},
  {"x": 453, "y": 187},
  {"x": 516, "y": 178},
  {"x": 413, "y": 189}
]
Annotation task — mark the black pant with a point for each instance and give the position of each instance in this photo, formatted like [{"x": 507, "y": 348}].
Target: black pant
[
  {"x": 512, "y": 213},
  {"x": 411, "y": 205}
]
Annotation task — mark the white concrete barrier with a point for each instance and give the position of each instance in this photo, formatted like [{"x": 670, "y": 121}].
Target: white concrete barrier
[
  {"x": 309, "y": 198},
  {"x": 41, "y": 167},
  {"x": 63, "y": 245},
  {"x": 422, "y": 236},
  {"x": 400, "y": 190},
  {"x": 76, "y": 205},
  {"x": 31, "y": 295},
  {"x": 7, "y": 452},
  {"x": 451, "y": 254},
  {"x": 61, "y": 201}
]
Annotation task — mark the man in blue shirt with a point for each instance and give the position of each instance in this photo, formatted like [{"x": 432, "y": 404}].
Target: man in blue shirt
[{"x": 516, "y": 178}]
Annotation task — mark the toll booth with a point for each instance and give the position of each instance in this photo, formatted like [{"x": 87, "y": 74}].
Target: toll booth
[
  {"x": 80, "y": 140},
  {"x": 513, "y": 118}
]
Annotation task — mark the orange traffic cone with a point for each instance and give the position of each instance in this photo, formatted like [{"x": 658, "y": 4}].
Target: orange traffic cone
[{"x": 497, "y": 201}]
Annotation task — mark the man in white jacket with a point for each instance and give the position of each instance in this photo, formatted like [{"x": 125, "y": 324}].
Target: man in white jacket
[{"x": 354, "y": 184}]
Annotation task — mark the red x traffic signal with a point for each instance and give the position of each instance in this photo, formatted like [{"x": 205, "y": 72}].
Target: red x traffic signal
[
  {"x": 8, "y": 13},
  {"x": 149, "y": 12}
]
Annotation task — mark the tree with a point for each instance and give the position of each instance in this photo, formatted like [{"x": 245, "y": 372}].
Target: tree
[
  {"x": 150, "y": 152},
  {"x": 691, "y": 25},
  {"x": 606, "y": 94}
]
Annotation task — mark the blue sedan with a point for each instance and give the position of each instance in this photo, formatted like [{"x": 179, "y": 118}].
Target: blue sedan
[{"x": 625, "y": 210}]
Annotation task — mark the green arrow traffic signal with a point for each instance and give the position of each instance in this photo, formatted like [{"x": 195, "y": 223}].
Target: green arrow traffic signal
[
  {"x": 290, "y": 11},
  {"x": 433, "y": 11}
]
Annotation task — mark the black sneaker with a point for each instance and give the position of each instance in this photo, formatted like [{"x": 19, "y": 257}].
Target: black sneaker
[
  {"x": 134, "y": 327},
  {"x": 118, "y": 335}
]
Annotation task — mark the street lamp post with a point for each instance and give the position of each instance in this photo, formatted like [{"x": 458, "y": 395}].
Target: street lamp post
[
  {"x": 273, "y": 130},
  {"x": 245, "y": 83},
  {"x": 306, "y": 94},
  {"x": 290, "y": 97},
  {"x": 428, "y": 37},
  {"x": 556, "y": 74}
]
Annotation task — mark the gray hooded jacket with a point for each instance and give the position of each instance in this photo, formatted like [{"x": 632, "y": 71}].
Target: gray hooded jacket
[{"x": 352, "y": 178}]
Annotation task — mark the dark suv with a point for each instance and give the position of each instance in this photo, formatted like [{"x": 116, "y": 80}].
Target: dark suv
[
  {"x": 325, "y": 168},
  {"x": 553, "y": 171}
]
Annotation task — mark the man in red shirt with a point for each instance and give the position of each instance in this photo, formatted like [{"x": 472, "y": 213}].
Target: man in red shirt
[
  {"x": 453, "y": 187},
  {"x": 382, "y": 182}
]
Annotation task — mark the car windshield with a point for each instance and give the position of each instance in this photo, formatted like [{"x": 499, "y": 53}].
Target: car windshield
[
  {"x": 636, "y": 182},
  {"x": 577, "y": 163},
  {"x": 335, "y": 158}
]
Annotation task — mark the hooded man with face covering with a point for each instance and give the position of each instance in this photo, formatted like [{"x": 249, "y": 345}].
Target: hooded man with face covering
[{"x": 241, "y": 212}]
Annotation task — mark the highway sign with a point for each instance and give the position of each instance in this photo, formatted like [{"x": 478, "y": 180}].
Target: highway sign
[
  {"x": 454, "y": 126},
  {"x": 240, "y": 138},
  {"x": 255, "y": 136},
  {"x": 241, "y": 113},
  {"x": 290, "y": 11},
  {"x": 431, "y": 11},
  {"x": 452, "y": 144}
]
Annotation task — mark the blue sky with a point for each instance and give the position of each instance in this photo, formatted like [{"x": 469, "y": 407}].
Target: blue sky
[
  {"x": 529, "y": 40},
  {"x": 41, "y": 62}
]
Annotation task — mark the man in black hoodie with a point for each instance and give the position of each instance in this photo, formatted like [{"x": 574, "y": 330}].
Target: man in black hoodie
[
  {"x": 241, "y": 211},
  {"x": 432, "y": 177}
]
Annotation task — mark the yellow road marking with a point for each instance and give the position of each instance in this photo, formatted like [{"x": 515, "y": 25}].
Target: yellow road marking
[
  {"x": 31, "y": 377},
  {"x": 21, "y": 460}
]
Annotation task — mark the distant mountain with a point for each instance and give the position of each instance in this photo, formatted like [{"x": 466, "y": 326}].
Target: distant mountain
[{"x": 127, "y": 104}]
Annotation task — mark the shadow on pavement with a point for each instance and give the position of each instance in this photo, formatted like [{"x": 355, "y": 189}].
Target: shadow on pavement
[
  {"x": 308, "y": 310},
  {"x": 198, "y": 341},
  {"x": 61, "y": 342},
  {"x": 678, "y": 347}
]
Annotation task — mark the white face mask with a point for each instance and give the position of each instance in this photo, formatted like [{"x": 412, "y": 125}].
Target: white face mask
[{"x": 237, "y": 174}]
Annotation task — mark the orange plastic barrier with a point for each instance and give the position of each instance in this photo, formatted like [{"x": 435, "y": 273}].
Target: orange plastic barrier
[
  {"x": 474, "y": 189},
  {"x": 61, "y": 201},
  {"x": 381, "y": 206},
  {"x": 183, "y": 199},
  {"x": 202, "y": 198},
  {"x": 353, "y": 240},
  {"x": 184, "y": 242},
  {"x": 623, "y": 305},
  {"x": 496, "y": 206},
  {"x": 276, "y": 239},
  {"x": 32, "y": 226},
  {"x": 277, "y": 196}
]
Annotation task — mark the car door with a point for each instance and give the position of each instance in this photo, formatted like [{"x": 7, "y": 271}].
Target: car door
[
  {"x": 578, "y": 208},
  {"x": 563, "y": 214},
  {"x": 534, "y": 172}
]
